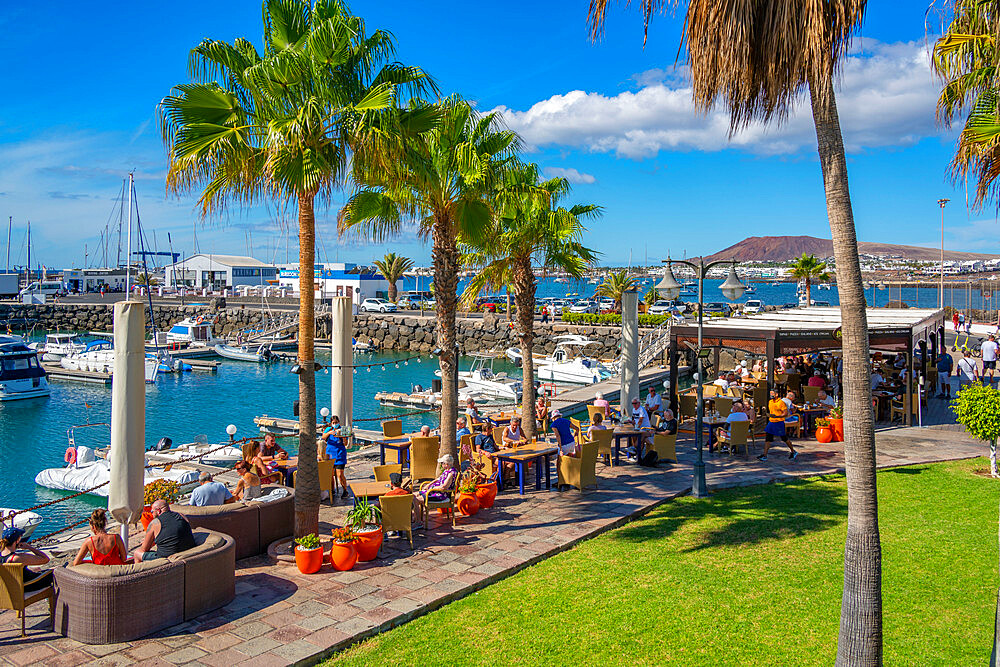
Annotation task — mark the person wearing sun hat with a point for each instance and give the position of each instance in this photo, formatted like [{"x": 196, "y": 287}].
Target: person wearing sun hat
[{"x": 10, "y": 541}]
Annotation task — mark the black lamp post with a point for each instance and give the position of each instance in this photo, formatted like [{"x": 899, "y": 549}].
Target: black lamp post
[{"x": 732, "y": 289}]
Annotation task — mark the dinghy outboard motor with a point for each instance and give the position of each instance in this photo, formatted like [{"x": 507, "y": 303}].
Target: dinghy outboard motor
[{"x": 164, "y": 443}]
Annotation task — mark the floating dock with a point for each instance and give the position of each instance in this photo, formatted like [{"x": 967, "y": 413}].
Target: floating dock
[{"x": 54, "y": 371}]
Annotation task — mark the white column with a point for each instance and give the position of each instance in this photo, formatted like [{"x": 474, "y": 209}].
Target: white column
[
  {"x": 128, "y": 413},
  {"x": 342, "y": 360},
  {"x": 630, "y": 350}
]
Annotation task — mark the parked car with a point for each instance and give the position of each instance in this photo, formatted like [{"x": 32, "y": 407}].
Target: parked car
[
  {"x": 716, "y": 309},
  {"x": 377, "y": 306},
  {"x": 661, "y": 307},
  {"x": 753, "y": 306},
  {"x": 821, "y": 304},
  {"x": 584, "y": 306},
  {"x": 789, "y": 306}
]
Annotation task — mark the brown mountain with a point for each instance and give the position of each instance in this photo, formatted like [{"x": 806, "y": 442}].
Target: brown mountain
[{"x": 784, "y": 248}]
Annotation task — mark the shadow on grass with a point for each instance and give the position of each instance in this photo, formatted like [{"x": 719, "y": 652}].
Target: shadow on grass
[
  {"x": 750, "y": 514},
  {"x": 911, "y": 470}
]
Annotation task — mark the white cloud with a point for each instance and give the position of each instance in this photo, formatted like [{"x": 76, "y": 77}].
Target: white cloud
[
  {"x": 570, "y": 174},
  {"x": 886, "y": 97}
]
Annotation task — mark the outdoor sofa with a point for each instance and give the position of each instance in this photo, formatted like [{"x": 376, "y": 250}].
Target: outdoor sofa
[{"x": 254, "y": 525}]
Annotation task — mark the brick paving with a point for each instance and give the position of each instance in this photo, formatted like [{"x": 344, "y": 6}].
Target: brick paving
[{"x": 282, "y": 617}]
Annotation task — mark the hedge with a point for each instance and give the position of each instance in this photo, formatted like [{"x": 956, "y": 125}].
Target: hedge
[{"x": 645, "y": 319}]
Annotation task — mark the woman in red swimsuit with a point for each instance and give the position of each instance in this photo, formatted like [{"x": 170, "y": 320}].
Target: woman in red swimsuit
[{"x": 104, "y": 548}]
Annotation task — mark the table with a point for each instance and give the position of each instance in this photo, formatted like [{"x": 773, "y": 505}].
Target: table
[
  {"x": 400, "y": 444},
  {"x": 369, "y": 489},
  {"x": 287, "y": 467},
  {"x": 808, "y": 414},
  {"x": 712, "y": 422},
  {"x": 523, "y": 456},
  {"x": 627, "y": 432}
]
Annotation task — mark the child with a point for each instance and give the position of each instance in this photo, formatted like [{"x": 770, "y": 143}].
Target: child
[{"x": 336, "y": 450}]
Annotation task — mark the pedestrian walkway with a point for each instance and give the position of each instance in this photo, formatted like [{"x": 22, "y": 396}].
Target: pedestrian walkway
[{"x": 281, "y": 617}]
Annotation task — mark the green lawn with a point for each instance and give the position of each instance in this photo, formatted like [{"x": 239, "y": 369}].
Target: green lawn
[{"x": 751, "y": 576}]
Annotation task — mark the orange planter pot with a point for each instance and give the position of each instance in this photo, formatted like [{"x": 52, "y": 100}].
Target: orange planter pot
[
  {"x": 369, "y": 544},
  {"x": 343, "y": 556},
  {"x": 838, "y": 429},
  {"x": 309, "y": 561},
  {"x": 146, "y": 517},
  {"x": 824, "y": 434},
  {"x": 467, "y": 504},
  {"x": 486, "y": 494}
]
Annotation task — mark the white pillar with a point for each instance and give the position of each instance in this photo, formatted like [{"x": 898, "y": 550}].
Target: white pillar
[
  {"x": 630, "y": 350},
  {"x": 128, "y": 413},
  {"x": 342, "y": 360}
]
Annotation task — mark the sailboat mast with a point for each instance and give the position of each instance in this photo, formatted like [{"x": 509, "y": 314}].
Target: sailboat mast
[
  {"x": 10, "y": 223},
  {"x": 28, "y": 279},
  {"x": 128, "y": 253}
]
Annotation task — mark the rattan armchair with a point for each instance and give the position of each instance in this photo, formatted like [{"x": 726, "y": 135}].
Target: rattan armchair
[
  {"x": 12, "y": 595},
  {"x": 665, "y": 447},
  {"x": 579, "y": 471},
  {"x": 392, "y": 428},
  {"x": 397, "y": 514},
  {"x": 605, "y": 439},
  {"x": 447, "y": 504},
  {"x": 382, "y": 472},
  {"x": 423, "y": 458}
]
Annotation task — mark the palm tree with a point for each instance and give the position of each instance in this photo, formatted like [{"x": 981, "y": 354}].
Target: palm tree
[
  {"x": 443, "y": 182},
  {"x": 615, "y": 284},
  {"x": 280, "y": 125},
  {"x": 756, "y": 57},
  {"x": 652, "y": 296},
  {"x": 531, "y": 225},
  {"x": 393, "y": 266},
  {"x": 807, "y": 268}
]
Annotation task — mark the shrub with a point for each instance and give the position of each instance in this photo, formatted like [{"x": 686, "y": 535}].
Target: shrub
[
  {"x": 344, "y": 535},
  {"x": 608, "y": 319},
  {"x": 310, "y": 541},
  {"x": 161, "y": 489},
  {"x": 977, "y": 408}
]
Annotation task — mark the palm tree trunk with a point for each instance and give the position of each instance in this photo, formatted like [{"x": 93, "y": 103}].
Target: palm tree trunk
[
  {"x": 524, "y": 295},
  {"x": 809, "y": 288},
  {"x": 307, "y": 475},
  {"x": 444, "y": 257},
  {"x": 860, "y": 641},
  {"x": 393, "y": 292}
]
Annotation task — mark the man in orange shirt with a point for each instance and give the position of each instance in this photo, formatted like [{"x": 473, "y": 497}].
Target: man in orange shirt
[{"x": 777, "y": 413}]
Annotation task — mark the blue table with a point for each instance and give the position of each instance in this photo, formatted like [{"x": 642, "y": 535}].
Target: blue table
[
  {"x": 521, "y": 458},
  {"x": 400, "y": 444}
]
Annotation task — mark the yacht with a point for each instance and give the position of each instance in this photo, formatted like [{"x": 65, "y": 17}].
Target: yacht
[
  {"x": 21, "y": 376},
  {"x": 193, "y": 331},
  {"x": 567, "y": 363},
  {"x": 58, "y": 345},
  {"x": 482, "y": 380},
  {"x": 99, "y": 357}
]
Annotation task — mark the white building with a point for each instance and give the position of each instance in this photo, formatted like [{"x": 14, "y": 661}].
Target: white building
[
  {"x": 338, "y": 279},
  {"x": 217, "y": 272},
  {"x": 91, "y": 280}
]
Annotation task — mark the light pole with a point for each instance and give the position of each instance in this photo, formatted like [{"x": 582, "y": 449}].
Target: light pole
[
  {"x": 732, "y": 289},
  {"x": 941, "y": 203}
]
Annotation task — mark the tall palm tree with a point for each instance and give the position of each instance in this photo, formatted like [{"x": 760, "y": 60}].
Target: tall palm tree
[
  {"x": 530, "y": 226},
  {"x": 615, "y": 284},
  {"x": 808, "y": 269},
  {"x": 280, "y": 125},
  {"x": 393, "y": 266},
  {"x": 442, "y": 182},
  {"x": 756, "y": 56}
]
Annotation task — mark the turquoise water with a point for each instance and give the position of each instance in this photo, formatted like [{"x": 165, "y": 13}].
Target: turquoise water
[{"x": 179, "y": 406}]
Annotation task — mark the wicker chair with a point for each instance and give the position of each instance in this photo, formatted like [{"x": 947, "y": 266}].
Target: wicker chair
[
  {"x": 579, "y": 471},
  {"x": 464, "y": 449},
  {"x": 577, "y": 428},
  {"x": 392, "y": 428},
  {"x": 397, "y": 514},
  {"x": 605, "y": 447},
  {"x": 382, "y": 472},
  {"x": 448, "y": 504},
  {"x": 724, "y": 405},
  {"x": 12, "y": 595},
  {"x": 688, "y": 410},
  {"x": 423, "y": 458},
  {"x": 811, "y": 394},
  {"x": 738, "y": 435},
  {"x": 665, "y": 447},
  {"x": 593, "y": 410}
]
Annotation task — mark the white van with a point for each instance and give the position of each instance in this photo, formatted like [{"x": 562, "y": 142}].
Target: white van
[{"x": 47, "y": 287}]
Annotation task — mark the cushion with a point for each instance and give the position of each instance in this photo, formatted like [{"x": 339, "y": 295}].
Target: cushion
[
  {"x": 112, "y": 571},
  {"x": 194, "y": 510},
  {"x": 204, "y": 542}
]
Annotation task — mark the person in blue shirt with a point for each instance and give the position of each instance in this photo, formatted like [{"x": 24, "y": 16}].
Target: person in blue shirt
[
  {"x": 944, "y": 364},
  {"x": 210, "y": 492},
  {"x": 461, "y": 428},
  {"x": 564, "y": 434},
  {"x": 336, "y": 450}
]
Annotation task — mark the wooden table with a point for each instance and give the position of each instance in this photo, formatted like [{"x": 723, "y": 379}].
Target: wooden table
[
  {"x": 521, "y": 457},
  {"x": 627, "y": 432},
  {"x": 808, "y": 413},
  {"x": 369, "y": 489},
  {"x": 712, "y": 422},
  {"x": 287, "y": 467},
  {"x": 400, "y": 444}
]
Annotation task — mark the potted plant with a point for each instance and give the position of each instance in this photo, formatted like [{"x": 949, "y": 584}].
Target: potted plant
[
  {"x": 308, "y": 553},
  {"x": 836, "y": 420},
  {"x": 343, "y": 554},
  {"x": 467, "y": 503},
  {"x": 366, "y": 522},
  {"x": 486, "y": 491},
  {"x": 161, "y": 489},
  {"x": 824, "y": 433}
]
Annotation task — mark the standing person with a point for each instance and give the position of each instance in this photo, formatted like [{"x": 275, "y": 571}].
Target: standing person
[
  {"x": 961, "y": 322},
  {"x": 564, "y": 434},
  {"x": 967, "y": 370},
  {"x": 336, "y": 450},
  {"x": 545, "y": 314},
  {"x": 104, "y": 548},
  {"x": 169, "y": 531},
  {"x": 944, "y": 364},
  {"x": 10, "y": 542},
  {"x": 954, "y": 321},
  {"x": 777, "y": 411},
  {"x": 989, "y": 348}
]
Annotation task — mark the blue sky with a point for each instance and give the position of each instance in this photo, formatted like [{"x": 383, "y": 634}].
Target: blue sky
[{"x": 83, "y": 80}]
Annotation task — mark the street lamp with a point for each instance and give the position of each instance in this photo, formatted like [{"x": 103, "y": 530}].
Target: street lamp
[
  {"x": 732, "y": 289},
  {"x": 231, "y": 432},
  {"x": 941, "y": 202}
]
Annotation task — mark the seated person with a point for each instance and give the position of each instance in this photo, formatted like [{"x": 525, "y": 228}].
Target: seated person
[
  {"x": 721, "y": 381},
  {"x": 248, "y": 488},
  {"x": 789, "y": 401},
  {"x": 564, "y": 434},
  {"x": 817, "y": 379},
  {"x": 654, "y": 404},
  {"x": 640, "y": 420},
  {"x": 271, "y": 448},
  {"x": 10, "y": 543},
  {"x": 337, "y": 452},
  {"x": 601, "y": 402},
  {"x": 472, "y": 412},
  {"x": 877, "y": 380},
  {"x": 461, "y": 428},
  {"x": 512, "y": 435},
  {"x": 169, "y": 531},
  {"x": 737, "y": 414},
  {"x": 444, "y": 483},
  {"x": 251, "y": 454},
  {"x": 210, "y": 492},
  {"x": 396, "y": 485},
  {"x": 668, "y": 424},
  {"x": 541, "y": 409},
  {"x": 596, "y": 425},
  {"x": 104, "y": 548},
  {"x": 425, "y": 431},
  {"x": 825, "y": 399}
]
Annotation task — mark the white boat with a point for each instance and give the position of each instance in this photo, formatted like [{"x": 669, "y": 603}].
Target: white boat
[
  {"x": 26, "y": 521},
  {"x": 361, "y": 346},
  {"x": 58, "y": 345},
  {"x": 567, "y": 364},
  {"x": 254, "y": 353},
  {"x": 225, "y": 457},
  {"x": 193, "y": 331},
  {"x": 21, "y": 376},
  {"x": 481, "y": 378},
  {"x": 750, "y": 289},
  {"x": 825, "y": 286},
  {"x": 89, "y": 471},
  {"x": 420, "y": 398},
  {"x": 97, "y": 357}
]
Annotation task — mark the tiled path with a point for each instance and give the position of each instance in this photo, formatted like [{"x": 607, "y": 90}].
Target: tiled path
[{"x": 280, "y": 616}]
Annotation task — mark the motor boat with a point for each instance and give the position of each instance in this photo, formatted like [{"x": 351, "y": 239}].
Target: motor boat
[
  {"x": 247, "y": 352},
  {"x": 225, "y": 457},
  {"x": 361, "y": 346},
  {"x": 825, "y": 286},
  {"x": 58, "y": 345},
  {"x": 567, "y": 364},
  {"x": 21, "y": 375},
  {"x": 97, "y": 357},
  {"x": 481, "y": 379},
  {"x": 750, "y": 289},
  {"x": 26, "y": 521},
  {"x": 195, "y": 331},
  {"x": 89, "y": 471}
]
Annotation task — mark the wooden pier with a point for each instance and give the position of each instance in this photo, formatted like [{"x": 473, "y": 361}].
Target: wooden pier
[{"x": 54, "y": 371}]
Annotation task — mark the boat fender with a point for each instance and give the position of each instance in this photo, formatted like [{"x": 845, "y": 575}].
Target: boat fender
[{"x": 70, "y": 455}]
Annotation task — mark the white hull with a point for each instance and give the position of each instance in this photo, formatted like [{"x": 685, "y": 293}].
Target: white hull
[
  {"x": 569, "y": 373},
  {"x": 89, "y": 475},
  {"x": 498, "y": 389},
  {"x": 26, "y": 521},
  {"x": 223, "y": 458},
  {"x": 36, "y": 392},
  {"x": 243, "y": 353}
]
